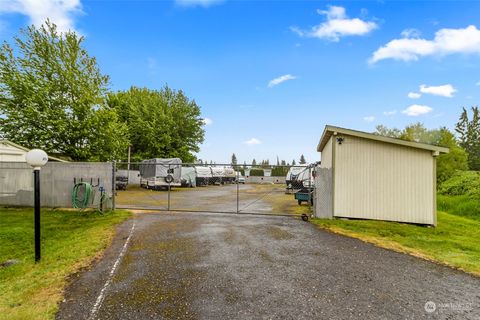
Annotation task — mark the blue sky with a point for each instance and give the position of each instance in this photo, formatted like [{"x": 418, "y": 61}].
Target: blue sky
[{"x": 270, "y": 75}]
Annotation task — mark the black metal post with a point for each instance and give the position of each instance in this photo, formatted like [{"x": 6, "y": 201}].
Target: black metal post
[{"x": 36, "y": 182}]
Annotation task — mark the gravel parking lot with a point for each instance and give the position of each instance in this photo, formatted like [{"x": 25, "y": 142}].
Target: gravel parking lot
[
  {"x": 253, "y": 198},
  {"x": 225, "y": 266}
]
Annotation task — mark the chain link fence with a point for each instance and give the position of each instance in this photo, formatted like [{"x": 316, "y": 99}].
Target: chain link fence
[{"x": 168, "y": 184}]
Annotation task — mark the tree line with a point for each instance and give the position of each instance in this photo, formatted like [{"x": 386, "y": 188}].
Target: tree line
[
  {"x": 266, "y": 163},
  {"x": 53, "y": 96}
]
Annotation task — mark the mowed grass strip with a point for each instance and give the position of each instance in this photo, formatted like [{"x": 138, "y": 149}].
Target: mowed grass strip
[
  {"x": 454, "y": 242},
  {"x": 70, "y": 241}
]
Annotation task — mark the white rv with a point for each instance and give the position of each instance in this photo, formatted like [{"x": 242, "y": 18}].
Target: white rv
[
  {"x": 305, "y": 178},
  {"x": 204, "y": 175},
  {"x": 160, "y": 173},
  {"x": 218, "y": 173},
  {"x": 229, "y": 175},
  {"x": 189, "y": 177},
  {"x": 292, "y": 180}
]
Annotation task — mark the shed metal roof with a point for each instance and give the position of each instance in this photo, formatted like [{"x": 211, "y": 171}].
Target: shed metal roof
[{"x": 330, "y": 130}]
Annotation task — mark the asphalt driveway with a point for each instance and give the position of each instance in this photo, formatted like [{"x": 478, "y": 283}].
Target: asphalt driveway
[{"x": 215, "y": 266}]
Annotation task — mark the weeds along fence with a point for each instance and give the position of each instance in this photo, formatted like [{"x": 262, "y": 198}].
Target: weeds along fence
[{"x": 57, "y": 181}]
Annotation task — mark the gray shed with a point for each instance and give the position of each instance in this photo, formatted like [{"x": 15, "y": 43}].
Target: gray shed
[{"x": 367, "y": 176}]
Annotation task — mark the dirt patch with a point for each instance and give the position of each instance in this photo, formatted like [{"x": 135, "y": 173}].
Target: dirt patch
[{"x": 278, "y": 233}]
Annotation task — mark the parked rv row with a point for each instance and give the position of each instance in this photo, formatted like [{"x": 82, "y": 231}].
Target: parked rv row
[{"x": 163, "y": 173}]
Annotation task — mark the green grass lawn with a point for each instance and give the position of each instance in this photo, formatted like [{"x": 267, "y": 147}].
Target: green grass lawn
[
  {"x": 455, "y": 241},
  {"x": 70, "y": 241}
]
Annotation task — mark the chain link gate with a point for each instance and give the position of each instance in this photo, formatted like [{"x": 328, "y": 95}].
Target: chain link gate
[{"x": 170, "y": 185}]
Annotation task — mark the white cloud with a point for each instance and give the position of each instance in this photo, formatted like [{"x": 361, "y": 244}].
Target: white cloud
[
  {"x": 390, "y": 113},
  {"x": 478, "y": 83},
  {"x": 417, "y": 110},
  {"x": 200, "y": 3},
  {"x": 337, "y": 25},
  {"x": 446, "y": 90},
  {"x": 369, "y": 118},
  {"x": 207, "y": 121},
  {"x": 411, "y": 33},
  {"x": 253, "y": 141},
  {"x": 445, "y": 42},
  {"x": 60, "y": 12},
  {"x": 281, "y": 79},
  {"x": 414, "y": 95}
]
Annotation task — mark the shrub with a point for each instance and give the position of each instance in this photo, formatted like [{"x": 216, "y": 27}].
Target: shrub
[
  {"x": 465, "y": 183},
  {"x": 279, "y": 171},
  {"x": 256, "y": 173}
]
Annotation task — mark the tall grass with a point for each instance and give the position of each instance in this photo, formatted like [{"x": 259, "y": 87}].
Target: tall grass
[
  {"x": 465, "y": 206},
  {"x": 460, "y": 195}
]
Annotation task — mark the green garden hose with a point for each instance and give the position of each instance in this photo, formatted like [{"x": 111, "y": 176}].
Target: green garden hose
[{"x": 81, "y": 195}]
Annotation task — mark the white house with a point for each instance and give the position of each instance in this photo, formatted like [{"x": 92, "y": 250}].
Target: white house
[{"x": 12, "y": 152}]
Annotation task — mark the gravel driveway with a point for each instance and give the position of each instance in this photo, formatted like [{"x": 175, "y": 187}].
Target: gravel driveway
[{"x": 213, "y": 266}]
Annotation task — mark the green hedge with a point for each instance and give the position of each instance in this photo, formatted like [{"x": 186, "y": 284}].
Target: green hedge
[
  {"x": 462, "y": 183},
  {"x": 256, "y": 173},
  {"x": 279, "y": 171}
]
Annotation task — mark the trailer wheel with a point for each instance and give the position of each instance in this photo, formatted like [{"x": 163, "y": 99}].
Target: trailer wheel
[
  {"x": 304, "y": 217},
  {"x": 299, "y": 202}
]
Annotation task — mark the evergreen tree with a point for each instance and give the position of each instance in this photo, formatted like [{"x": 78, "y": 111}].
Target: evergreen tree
[
  {"x": 462, "y": 129},
  {"x": 302, "y": 159},
  {"x": 254, "y": 162},
  {"x": 469, "y": 135},
  {"x": 293, "y": 162},
  {"x": 234, "y": 160}
]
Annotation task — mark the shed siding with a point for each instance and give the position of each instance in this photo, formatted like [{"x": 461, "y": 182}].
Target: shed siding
[
  {"x": 327, "y": 155},
  {"x": 377, "y": 180}
]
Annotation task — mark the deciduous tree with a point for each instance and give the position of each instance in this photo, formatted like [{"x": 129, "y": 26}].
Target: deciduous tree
[
  {"x": 52, "y": 97},
  {"x": 161, "y": 123}
]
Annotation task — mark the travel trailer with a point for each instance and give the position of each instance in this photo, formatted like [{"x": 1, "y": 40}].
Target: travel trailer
[
  {"x": 189, "y": 177},
  {"x": 204, "y": 175},
  {"x": 160, "y": 173},
  {"x": 229, "y": 175},
  {"x": 218, "y": 174},
  {"x": 292, "y": 177}
]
